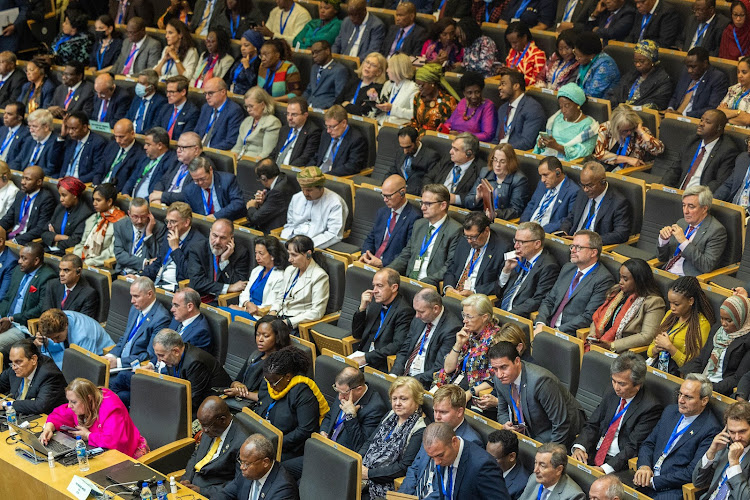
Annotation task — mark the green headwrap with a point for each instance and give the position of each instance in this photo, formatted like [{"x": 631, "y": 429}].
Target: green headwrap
[{"x": 433, "y": 73}]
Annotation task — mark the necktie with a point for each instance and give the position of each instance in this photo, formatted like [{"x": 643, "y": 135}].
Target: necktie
[
  {"x": 204, "y": 21},
  {"x": 211, "y": 452},
  {"x": 68, "y": 97},
  {"x": 172, "y": 121},
  {"x": 544, "y": 205},
  {"x": 210, "y": 202},
  {"x": 609, "y": 437},
  {"x": 504, "y": 128},
  {"x": 467, "y": 269},
  {"x": 25, "y": 388},
  {"x": 35, "y": 154},
  {"x": 699, "y": 36},
  {"x": 416, "y": 349},
  {"x": 320, "y": 73},
  {"x": 254, "y": 491},
  {"x": 121, "y": 11},
  {"x": 387, "y": 238},
  {"x": 609, "y": 20},
  {"x": 103, "y": 111},
  {"x": 338, "y": 427},
  {"x": 210, "y": 133},
  {"x": 139, "y": 116},
  {"x": 353, "y": 42},
  {"x": 588, "y": 222},
  {"x": 415, "y": 273},
  {"x": 694, "y": 167},
  {"x": 722, "y": 492},
  {"x": 688, "y": 97},
  {"x": 511, "y": 293},
  {"x": 118, "y": 159},
  {"x": 18, "y": 301},
  {"x": 678, "y": 253},
  {"x": 394, "y": 47},
  {"x": 456, "y": 177},
  {"x": 330, "y": 156},
  {"x": 65, "y": 297},
  {"x": 566, "y": 299},
  {"x": 130, "y": 60},
  {"x": 139, "y": 250},
  {"x": 406, "y": 169},
  {"x": 74, "y": 162},
  {"x": 24, "y": 218},
  {"x": 516, "y": 395}
]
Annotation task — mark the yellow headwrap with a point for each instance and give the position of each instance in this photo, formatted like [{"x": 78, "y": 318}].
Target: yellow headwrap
[{"x": 299, "y": 379}]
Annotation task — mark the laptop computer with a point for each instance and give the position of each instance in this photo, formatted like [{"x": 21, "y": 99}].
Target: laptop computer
[{"x": 60, "y": 444}]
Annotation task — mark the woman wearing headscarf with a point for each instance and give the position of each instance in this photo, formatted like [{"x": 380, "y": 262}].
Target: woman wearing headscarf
[
  {"x": 326, "y": 27},
  {"x": 66, "y": 227},
  {"x": 435, "y": 101},
  {"x": 98, "y": 240},
  {"x": 647, "y": 85},
  {"x": 726, "y": 357},
  {"x": 735, "y": 39},
  {"x": 736, "y": 103},
  {"x": 569, "y": 133},
  {"x": 243, "y": 75}
]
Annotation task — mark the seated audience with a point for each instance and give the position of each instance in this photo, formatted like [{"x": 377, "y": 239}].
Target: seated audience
[
  {"x": 441, "y": 46},
  {"x": 550, "y": 463},
  {"x": 98, "y": 239},
  {"x": 184, "y": 114},
  {"x": 562, "y": 66},
  {"x": 148, "y": 105},
  {"x": 168, "y": 188},
  {"x": 37, "y": 92},
  {"x": 480, "y": 51},
  {"x": 122, "y": 12},
  {"x": 655, "y": 21},
  {"x": 474, "y": 113},
  {"x": 735, "y": 188},
  {"x": 139, "y": 52},
  {"x": 413, "y": 159},
  {"x": 13, "y": 76},
  {"x": 43, "y": 149},
  {"x": 277, "y": 74},
  {"x": 524, "y": 55},
  {"x": 612, "y": 20},
  {"x": 121, "y": 156},
  {"x": 14, "y": 133},
  {"x": 736, "y": 104},
  {"x": 74, "y": 42},
  {"x": 82, "y": 157},
  {"x": 623, "y": 141},
  {"x": 213, "y": 193},
  {"x": 397, "y": 96},
  {"x": 285, "y": 21},
  {"x": 520, "y": 118},
  {"x": 111, "y": 102},
  {"x": 215, "y": 61},
  {"x": 34, "y": 382},
  {"x": 648, "y": 85},
  {"x": 459, "y": 173},
  {"x": 503, "y": 445},
  {"x": 8, "y": 263},
  {"x": 206, "y": 15},
  {"x": 108, "y": 44},
  {"x": 338, "y": 133},
  {"x": 8, "y": 188},
  {"x": 58, "y": 329},
  {"x": 259, "y": 132},
  {"x": 158, "y": 160},
  {"x": 71, "y": 291},
  {"x": 65, "y": 229},
  {"x": 513, "y": 333},
  {"x": 178, "y": 9},
  {"x": 598, "y": 73},
  {"x": 701, "y": 86},
  {"x": 435, "y": 101},
  {"x": 243, "y": 74},
  {"x": 502, "y": 183},
  {"x": 75, "y": 94},
  {"x": 325, "y": 27},
  {"x": 488, "y": 12},
  {"x": 553, "y": 198},
  {"x": 277, "y": 483},
  {"x": 137, "y": 238},
  {"x": 735, "y": 39},
  {"x": 188, "y": 320},
  {"x": 569, "y": 133},
  {"x": 704, "y": 28},
  {"x": 330, "y": 77},
  {"x": 360, "y": 32},
  {"x": 537, "y": 14},
  {"x": 362, "y": 90},
  {"x": 406, "y": 36},
  {"x": 179, "y": 56},
  {"x": 267, "y": 210},
  {"x": 28, "y": 217},
  {"x": 218, "y": 127}
]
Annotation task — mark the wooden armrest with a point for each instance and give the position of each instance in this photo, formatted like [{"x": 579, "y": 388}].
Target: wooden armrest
[
  {"x": 367, "y": 171},
  {"x": 451, "y": 292},
  {"x": 391, "y": 360},
  {"x": 730, "y": 269},
  {"x": 493, "y": 298},
  {"x": 639, "y": 350},
  {"x": 183, "y": 283},
  {"x": 33, "y": 326},
  {"x": 631, "y": 241},
  {"x": 69, "y": 250},
  {"x": 177, "y": 474},
  {"x": 533, "y": 316},
  {"x": 110, "y": 263},
  {"x": 582, "y": 333},
  {"x": 349, "y": 258},
  {"x": 356, "y": 255},
  {"x": 166, "y": 450},
  {"x": 690, "y": 492},
  {"x": 225, "y": 298},
  {"x": 653, "y": 262},
  {"x": 107, "y": 349},
  {"x": 37, "y": 240},
  {"x": 241, "y": 221},
  {"x": 640, "y": 168},
  {"x": 397, "y": 482},
  {"x": 633, "y": 464},
  {"x": 348, "y": 343},
  {"x": 276, "y": 232},
  {"x": 304, "y": 328}
]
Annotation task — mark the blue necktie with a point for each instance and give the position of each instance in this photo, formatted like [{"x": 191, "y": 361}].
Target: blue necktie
[
  {"x": 18, "y": 301},
  {"x": 139, "y": 116},
  {"x": 545, "y": 204},
  {"x": 505, "y": 306},
  {"x": 74, "y": 162}
]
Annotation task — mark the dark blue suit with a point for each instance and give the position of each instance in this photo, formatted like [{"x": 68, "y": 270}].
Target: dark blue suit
[
  {"x": 197, "y": 333},
  {"x": 90, "y": 158},
  {"x": 49, "y": 157},
  {"x": 133, "y": 183},
  {"x": 165, "y": 182},
  {"x": 528, "y": 120},
  {"x": 279, "y": 485},
  {"x": 152, "y": 114},
  {"x": 712, "y": 88},
  {"x": 226, "y": 128},
  {"x": 228, "y": 195},
  {"x": 351, "y": 152},
  {"x": 122, "y": 172},
  {"x": 11, "y": 42},
  {"x": 401, "y": 233},
  {"x": 43, "y": 96},
  {"x": 734, "y": 182},
  {"x": 156, "y": 319},
  {"x": 516, "y": 480},
  {"x": 117, "y": 108},
  {"x": 8, "y": 262},
  {"x": 564, "y": 203},
  {"x": 179, "y": 256},
  {"x": 677, "y": 468},
  {"x": 321, "y": 94},
  {"x": 15, "y": 146},
  {"x": 184, "y": 122}
]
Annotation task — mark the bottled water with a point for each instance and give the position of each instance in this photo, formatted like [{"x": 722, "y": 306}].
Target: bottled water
[
  {"x": 10, "y": 414},
  {"x": 146, "y": 493},
  {"x": 161, "y": 491},
  {"x": 83, "y": 458}
]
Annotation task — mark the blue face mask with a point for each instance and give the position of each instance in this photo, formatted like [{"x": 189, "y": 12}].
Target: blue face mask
[{"x": 140, "y": 90}]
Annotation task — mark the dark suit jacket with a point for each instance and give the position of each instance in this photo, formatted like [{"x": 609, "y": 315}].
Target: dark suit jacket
[
  {"x": 83, "y": 298},
  {"x": 122, "y": 173},
  {"x": 438, "y": 175},
  {"x": 123, "y": 230},
  {"x": 735, "y": 182},
  {"x": 351, "y": 157},
  {"x": 136, "y": 8},
  {"x": 613, "y": 219},
  {"x": 279, "y": 485},
  {"x": 711, "y": 37},
  {"x": 412, "y": 44},
  {"x": 185, "y": 121},
  {"x": 512, "y": 194},
  {"x": 663, "y": 27},
  {"x": 228, "y": 195},
  {"x": 489, "y": 269},
  {"x": 147, "y": 57},
  {"x": 166, "y": 162},
  {"x": 82, "y": 99},
  {"x": 581, "y": 12},
  {"x": 39, "y": 216},
  {"x": 443, "y": 247},
  {"x": 421, "y": 163},
  {"x": 11, "y": 89},
  {"x": 197, "y": 333},
  {"x": 394, "y": 328},
  {"x": 200, "y": 7},
  {"x": 655, "y": 91},
  {"x": 717, "y": 169},
  {"x": 584, "y": 301},
  {"x": 179, "y": 256},
  {"x": 736, "y": 364},
  {"x": 73, "y": 226},
  {"x": 712, "y": 88},
  {"x": 516, "y": 480},
  {"x": 373, "y": 32},
  {"x": 217, "y": 473},
  {"x": 33, "y": 300},
  {"x": 619, "y": 26},
  {"x": 90, "y": 158},
  {"x": 8, "y": 262},
  {"x": 321, "y": 94},
  {"x": 537, "y": 284},
  {"x": 117, "y": 108},
  {"x": 203, "y": 372},
  {"x": 357, "y": 430},
  {"x": 539, "y": 11},
  {"x": 639, "y": 419},
  {"x": 563, "y": 206},
  {"x": 296, "y": 415},
  {"x": 156, "y": 319},
  {"x": 710, "y": 477},
  {"x": 528, "y": 120},
  {"x": 226, "y": 128},
  {"x": 400, "y": 236},
  {"x": 704, "y": 252},
  {"x": 45, "y": 393},
  {"x": 43, "y": 97},
  {"x": 453, "y": 8},
  {"x": 165, "y": 181},
  {"x": 550, "y": 412},
  {"x": 305, "y": 146},
  {"x": 49, "y": 158},
  {"x": 272, "y": 213},
  {"x": 153, "y": 111},
  {"x": 201, "y": 269},
  {"x": 442, "y": 338},
  {"x": 16, "y": 145}
]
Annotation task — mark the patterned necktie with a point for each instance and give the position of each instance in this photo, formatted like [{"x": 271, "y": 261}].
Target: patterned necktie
[
  {"x": 139, "y": 250},
  {"x": 406, "y": 169},
  {"x": 103, "y": 110},
  {"x": 678, "y": 253},
  {"x": 516, "y": 395},
  {"x": 139, "y": 116},
  {"x": 65, "y": 297},
  {"x": 387, "y": 238},
  {"x": 456, "y": 177},
  {"x": 511, "y": 293},
  {"x": 415, "y": 351},
  {"x": 544, "y": 205},
  {"x": 467, "y": 269},
  {"x": 210, "y": 132},
  {"x": 327, "y": 164},
  {"x": 35, "y": 154},
  {"x": 609, "y": 437},
  {"x": 693, "y": 167},
  {"x": 24, "y": 218},
  {"x": 566, "y": 299}
]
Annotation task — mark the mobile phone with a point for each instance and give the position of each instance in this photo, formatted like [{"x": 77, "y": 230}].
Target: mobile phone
[
  {"x": 67, "y": 428},
  {"x": 544, "y": 135}
]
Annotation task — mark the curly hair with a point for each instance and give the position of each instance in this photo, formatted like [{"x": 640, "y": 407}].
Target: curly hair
[
  {"x": 690, "y": 288},
  {"x": 289, "y": 360}
]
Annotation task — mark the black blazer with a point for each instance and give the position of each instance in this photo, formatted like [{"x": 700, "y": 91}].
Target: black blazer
[
  {"x": 642, "y": 415},
  {"x": 49, "y": 158},
  {"x": 73, "y": 226},
  {"x": 305, "y": 146},
  {"x": 421, "y": 163},
  {"x": 489, "y": 269},
  {"x": 201, "y": 269},
  {"x": 124, "y": 170},
  {"x": 711, "y": 37},
  {"x": 272, "y": 213},
  {"x": 663, "y": 27},
  {"x": 718, "y": 165},
  {"x": 117, "y": 108},
  {"x": 228, "y": 194},
  {"x": 279, "y": 485},
  {"x": 412, "y": 44},
  {"x": 179, "y": 256},
  {"x": 123, "y": 233},
  {"x": 45, "y": 393},
  {"x": 203, "y": 372},
  {"x": 438, "y": 175},
  {"x": 453, "y": 8},
  {"x": 357, "y": 430},
  {"x": 217, "y": 473},
  {"x": 296, "y": 415},
  {"x": 169, "y": 176},
  {"x": 735, "y": 182},
  {"x": 135, "y": 181},
  {"x": 712, "y": 88},
  {"x": 392, "y": 334},
  {"x": 736, "y": 363},
  {"x": 513, "y": 194},
  {"x": 83, "y": 298},
  {"x": 153, "y": 111},
  {"x": 351, "y": 158},
  {"x": 580, "y": 15},
  {"x": 34, "y": 300},
  {"x": 535, "y": 287},
  {"x": 16, "y": 144},
  {"x": 186, "y": 119},
  {"x": 620, "y": 25},
  {"x": 82, "y": 99},
  {"x": 613, "y": 221},
  {"x": 11, "y": 89},
  {"x": 655, "y": 91},
  {"x": 39, "y": 216},
  {"x": 442, "y": 338},
  {"x": 400, "y": 236}
]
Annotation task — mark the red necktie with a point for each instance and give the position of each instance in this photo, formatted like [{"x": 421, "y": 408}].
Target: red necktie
[
  {"x": 391, "y": 227},
  {"x": 693, "y": 167},
  {"x": 609, "y": 437},
  {"x": 505, "y": 123},
  {"x": 417, "y": 347},
  {"x": 65, "y": 297},
  {"x": 173, "y": 121},
  {"x": 216, "y": 268},
  {"x": 678, "y": 253},
  {"x": 67, "y": 97}
]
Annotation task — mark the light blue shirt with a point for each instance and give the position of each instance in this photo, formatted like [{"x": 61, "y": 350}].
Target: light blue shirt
[
  {"x": 84, "y": 332},
  {"x": 22, "y": 290}
]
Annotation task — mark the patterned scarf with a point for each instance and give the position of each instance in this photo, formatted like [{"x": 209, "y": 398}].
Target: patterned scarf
[
  {"x": 631, "y": 304},
  {"x": 738, "y": 308},
  {"x": 95, "y": 241},
  {"x": 299, "y": 379}
]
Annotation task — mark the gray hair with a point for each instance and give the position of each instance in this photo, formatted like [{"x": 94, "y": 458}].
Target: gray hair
[
  {"x": 190, "y": 296},
  {"x": 169, "y": 339},
  {"x": 537, "y": 231},
  {"x": 152, "y": 77},
  {"x": 137, "y": 202},
  {"x": 559, "y": 454},
  {"x": 259, "y": 95},
  {"x": 480, "y": 303},
  {"x": 622, "y": 115},
  {"x": 470, "y": 143},
  {"x": 438, "y": 432},
  {"x": 595, "y": 241},
  {"x": 706, "y": 386},
  {"x": 41, "y": 117},
  {"x": 615, "y": 489},
  {"x": 705, "y": 197},
  {"x": 629, "y": 360},
  {"x": 144, "y": 284},
  {"x": 261, "y": 445},
  {"x": 429, "y": 297},
  {"x": 200, "y": 162}
]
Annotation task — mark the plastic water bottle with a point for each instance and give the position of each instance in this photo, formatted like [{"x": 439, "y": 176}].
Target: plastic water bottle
[
  {"x": 663, "y": 364},
  {"x": 161, "y": 491},
  {"x": 83, "y": 458},
  {"x": 146, "y": 493},
  {"x": 51, "y": 460},
  {"x": 10, "y": 414},
  {"x": 172, "y": 485}
]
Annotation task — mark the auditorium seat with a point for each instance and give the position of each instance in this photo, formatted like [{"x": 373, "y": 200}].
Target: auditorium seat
[
  {"x": 598, "y": 109},
  {"x": 735, "y": 276},
  {"x": 101, "y": 281},
  {"x": 502, "y": 317},
  {"x": 119, "y": 307},
  {"x": 367, "y": 202},
  {"x": 335, "y": 268},
  {"x": 308, "y": 348},
  {"x": 78, "y": 362},
  {"x": 247, "y": 179},
  {"x": 634, "y": 192},
  {"x": 388, "y": 149},
  {"x": 223, "y": 161},
  {"x": 379, "y": 382},
  {"x": 321, "y": 456},
  {"x": 326, "y": 368},
  {"x": 483, "y": 426},
  {"x": 368, "y": 127},
  {"x": 218, "y": 324},
  {"x": 596, "y": 382},
  {"x": 497, "y": 33},
  {"x": 240, "y": 345},
  {"x": 252, "y": 423},
  {"x": 560, "y": 354}
]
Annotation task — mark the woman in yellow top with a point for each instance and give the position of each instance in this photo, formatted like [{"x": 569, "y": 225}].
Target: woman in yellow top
[{"x": 684, "y": 329}]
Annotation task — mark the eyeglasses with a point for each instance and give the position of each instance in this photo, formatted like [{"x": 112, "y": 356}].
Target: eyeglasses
[
  {"x": 245, "y": 465},
  {"x": 331, "y": 127},
  {"x": 171, "y": 222},
  {"x": 428, "y": 204},
  {"x": 468, "y": 316},
  {"x": 685, "y": 396},
  {"x": 274, "y": 384},
  {"x": 170, "y": 92},
  {"x": 343, "y": 393},
  {"x": 523, "y": 241},
  {"x": 210, "y": 93},
  {"x": 212, "y": 423},
  {"x": 389, "y": 196},
  {"x": 472, "y": 237},
  {"x": 578, "y": 248},
  {"x": 183, "y": 148}
]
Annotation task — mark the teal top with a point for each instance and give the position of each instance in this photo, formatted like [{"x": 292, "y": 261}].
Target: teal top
[
  {"x": 313, "y": 32},
  {"x": 578, "y": 139}
]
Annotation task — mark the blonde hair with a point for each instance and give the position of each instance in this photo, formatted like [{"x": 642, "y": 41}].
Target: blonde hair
[
  {"x": 412, "y": 385},
  {"x": 623, "y": 114},
  {"x": 382, "y": 64},
  {"x": 91, "y": 398},
  {"x": 512, "y": 333},
  {"x": 258, "y": 94},
  {"x": 480, "y": 303},
  {"x": 401, "y": 66}
]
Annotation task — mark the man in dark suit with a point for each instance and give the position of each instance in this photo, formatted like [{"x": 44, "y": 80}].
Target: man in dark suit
[
  {"x": 342, "y": 150},
  {"x": 299, "y": 138},
  {"x": 550, "y": 463},
  {"x": 267, "y": 210},
  {"x": 701, "y": 86},
  {"x": 12, "y": 78},
  {"x": 145, "y": 110},
  {"x": 405, "y": 36},
  {"x": 202, "y": 21},
  {"x": 580, "y": 288},
  {"x": 220, "y": 118},
  {"x": 122, "y": 11},
  {"x": 612, "y": 20},
  {"x": 382, "y": 321},
  {"x": 111, "y": 102},
  {"x": 677, "y": 442},
  {"x": 413, "y": 160},
  {"x": 476, "y": 475},
  {"x": 329, "y": 79},
  {"x": 188, "y": 320},
  {"x": 503, "y": 445},
  {"x": 82, "y": 157},
  {"x": 707, "y": 159},
  {"x": 121, "y": 156},
  {"x": 213, "y": 463},
  {"x": 43, "y": 149},
  {"x": 32, "y": 209},
  {"x": 478, "y": 258},
  {"x": 13, "y": 134},
  {"x": 393, "y": 225},
  {"x": 553, "y": 198},
  {"x": 213, "y": 193},
  {"x": 432, "y": 333},
  {"x": 526, "y": 280},
  {"x": 34, "y": 381},
  {"x": 180, "y": 115},
  {"x": 703, "y": 29},
  {"x": 433, "y": 239},
  {"x": 137, "y": 238},
  {"x": 157, "y": 161},
  {"x": 655, "y": 21},
  {"x": 624, "y": 418},
  {"x": 520, "y": 118},
  {"x": 461, "y": 171},
  {"x": 278, "y": 483},
  {"x": 573, "y": 14},
  {"x": 11, "y": 35},
  {"x": 71, "y": 291},
  {"x": 8, "y": 262},
  {"x": 138, "y": 52},
  {"x": 169, "y": 186},
  {"x": 361, "y": 33},
  {"x": 220, "y": 266},
  {"x": 75, "y": 93}
]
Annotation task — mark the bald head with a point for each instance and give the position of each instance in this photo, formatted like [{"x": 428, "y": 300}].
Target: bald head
[
  {"x": 214, "y": 416},
  {"x": 32, "y": 179},
  {"x": 124, "y": 133},
  {"x": 35, "y": 172},
  {"x": 104, "y": 86},
  {"x": 394, "y": 192}
]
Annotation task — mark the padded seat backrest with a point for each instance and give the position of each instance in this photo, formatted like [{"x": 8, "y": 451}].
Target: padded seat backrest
[
  {"x": 453, "y": 306},
  {"x": 160, "y": 408},
  {"x": 558, "y": 248},
  {"x": 326, "y": 369},
  {"x": 202, "y": 225},
  {"x": 303, "y": 61},
  {"x": 528, "y": 163},
  {"x": 379, "y": 382},
  {"x": 506, "y": 232},
  {"x": 674, "y": 133},
  {"x": 409, "y": 288},
  {"x": 728, "y": 67},
  {"x": 218, "y": 323},
  {"x": 250, "y": 425},
  {"x": 481, "y": 425},
  {"x": 440, "y": 143},
  {"x": 320, "y": 460},
  {"x": 164, "y": 298},
  {"x": 309, "y": 352},
  {"x": 583, "y": 476},
  {"x": 78, "y": 364},
  {"x": 718, "y": 407},
  {"x": 119, "y": 307},
  {"x": 661, "y": 387},
  {"x": 622, "y": 54},
  {"x": 243, "y": 236},
  {"x": 336, "y": 271},
  {"x": 716, "y": 297},
  {"x": 428, "y": 406},
  {"x": 223, "y": 162},
  {"x": 545, "y": 40},
  {"x": 100, "y": 280},
  {"x": 388, "y": 149},
  {"x": 663, "y": 206},
  {"x": 387, "y": 16},
  {"x": 634, "y": 191},
  {"x": 596, "y": 382},
  {"x": 743, "y": 273},
  {"x": 350, "y": 63},
  {"x": 673, "y": 61},
  {"x": 343, "y": 188},
  {"x": 369, "y": 130},
  {"x": 240, "y": 345},
  {"x": 733, "y": 220},
  {"x": 497, "y": 33},
  {"x": 526, "y": 451},
  {"x": 358, "y": 279},
  {"x": 247, "y": 179},
  {"x": 559, "y": 356},
  {"x": 367, "y": 202}
]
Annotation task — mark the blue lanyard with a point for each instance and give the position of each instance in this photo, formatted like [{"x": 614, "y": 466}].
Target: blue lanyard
[
  {"x": 403, "y": 37},
  {"x": 447, "y": 490},
  {"x": 294, "y": 282},
  {"x": 136, "y": 327},
  {"x": 737, "y": 101},
  {"x": 521, "y": 9},
  {"x": 623, "y": 149},
  {"x": 100, "y": 55},
  {"x": 282, "y": 27},
  {"x": 700, "y": 34},
  {"x": 208, "y": 66},
  {"x": 569, "y": 10},
  {"x": 339, "y": 421},
  {"x": 644, "y": 22},
  {"x": 516, "y": 60},
  {"x": 139, "y": 243},
  {"x": 169, "y": 253},
  {"x": 173, "y": 118},
  {"x": 260, "y": 281},
  {"x": 255, "y": 124},
  {"x": 341, "y": 139},
  {"x": 206, "y": 205},
  {"x": 180, "y": 177},
  {"x": 356, "y": 92},
  {"x": 289, "y": 139},
  {"x": 516, "y": 411},
  {"x": 591, "y": 217},
  {"x": 472, "y": 262},
  {"x": 240, "y": 67},
  {"x": 8, "y": 140},
  {"x": 687, "y": 237},
  {"x": 426, "y": 242},
  {"x": 675, "y": 435},
  {"x": 26, "y": 206},
  {"x": 383, "y": 317},
  {"x": 233, "y": 28},
  {"x": 215, "y": 117},
  {"x": 64, "y": 222},
  {"x": 270, "y": 407},
  {"x": 619, "y": 414},
  {"x": 130, "y": 56},
  {"x": 636, "y": 85},
  {"x": 554, "y": 75},
  {"x": 737, "y": 41},
  {"x": 269, "y": 81},
  {"x": 724, "y": 477},
  {"x": 526, "y": 265},
  {"x": 421, "y": 344},
  {"x": 487, "y": 13},
  {"x": 170, "y": 63},
  {"x": 572, "y": 288},
  {"x": 65, "y": 38},
  {"x": 692, "y": 89},
  {"x": 393, "y": 96}
]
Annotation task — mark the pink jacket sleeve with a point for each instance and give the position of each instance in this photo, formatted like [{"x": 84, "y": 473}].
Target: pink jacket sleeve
[
  {"x": 62, "y": 415},
  {"x": 114, "y": 429}
]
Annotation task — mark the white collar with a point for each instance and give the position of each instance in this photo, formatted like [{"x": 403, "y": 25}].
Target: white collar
[
  {"x": 27, "y": 380},
  {"x": 587, "y": 269},
  {"x": 438, "y": 223},
  {"x": 75, "y": 87},
  {"x": 186, "y": 323},
  {"x": 599, "y": 198},
  {"x": 516, "y": 101},
  {"x": 148, "y": 309},
  {"x": 434, "y": 324},
  {"x": 505, "y": 473},
  {"x": 86, "y": 138}
]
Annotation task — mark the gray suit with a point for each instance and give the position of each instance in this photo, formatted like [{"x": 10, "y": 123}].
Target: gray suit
[
  {"x": 710, "y": 477},
  {"x": 703, "y": 253},
  {"x": 565, "y": 489},
  {"x": 146, "y": 57},
  {"x": 443, "y": 247},
  {"x": 584, "y": 301},
  {"x": 123, "y": 230},
  {"x": 371, "y": 40},
  {"x": 550, "y": 412}
]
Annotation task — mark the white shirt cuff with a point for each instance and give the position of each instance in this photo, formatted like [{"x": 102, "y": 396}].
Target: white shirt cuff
[
  {"x": 504, "y": 278},
  {"x": 607, "y": 469},
  {"x": 662, "y": 241},
  {"x": 705, "y": 462},
  {"x": 733, "y": 471},
  {"x": 224, "y": 289},
  {"x": 683, "y": 245}
]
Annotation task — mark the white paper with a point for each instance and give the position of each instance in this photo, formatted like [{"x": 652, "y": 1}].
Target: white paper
[
  {"x": 8, "y": 16},
  {"x": 81, "y": 488}
]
